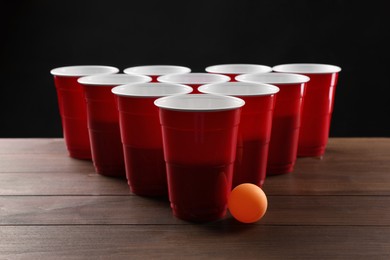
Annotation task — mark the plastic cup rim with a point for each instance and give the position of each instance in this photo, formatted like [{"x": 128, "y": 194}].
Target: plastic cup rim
[
  {"x": 218, "y": 78},
  {"x": 130, "y": 90},
  {"x": 66, "y": 71},
  {"x": 156, "y": 70},
  {"x": 238, "y": 68},
  {"x": 315, "y": 68},
  {"x": 294, "y": 78},
  {"x": 112, "y": 79},
  {"x": 238, "y": 102},
  {"x": 259, "y": 89}
]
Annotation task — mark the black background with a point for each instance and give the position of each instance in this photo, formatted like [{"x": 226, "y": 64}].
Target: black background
[{"x": 38, "y": 36}]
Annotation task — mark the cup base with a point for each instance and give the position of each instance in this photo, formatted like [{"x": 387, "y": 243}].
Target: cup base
[
  {"x": 150, "y": 192},
  {"x": 112, "y": 172},
  {"x": 313, "y": 151},
  {"x": 80, "y": 154},
  {"x": 198, "y": 215},
  {"x": 280, "y": 169}
]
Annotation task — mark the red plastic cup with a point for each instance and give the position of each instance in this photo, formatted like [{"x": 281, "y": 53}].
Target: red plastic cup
[
  {"x": 194, "y": 79},
  {"x": 254, "y": 132},
  {"x": 141, "y": 135},
  {"x": 103, "y": 121},
  {"x": 286, "y": 121},
  {"x": 72, "y": 106},
  {"x": 200, "y": 137},
  {"x": 233, "y": 70},
  {"x": 154, "y": 71},
  {"x": 318, "y": 107}
]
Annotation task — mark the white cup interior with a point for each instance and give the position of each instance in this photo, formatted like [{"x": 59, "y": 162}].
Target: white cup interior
[
  {"x": 83, "y": 70},
  {"x": 194, "y": 78},
  {"x": 238, "y": 68},
  {"x": 273, "y": 78},
  {"x": 199, "y": 102},
  {"x": 306, "y": 68},
  {"x": 113, "y": 79},
  {"x": 151, "y": 89},
  {"x": 239, "y": 89},
  {"x": 157, "y": 70}
]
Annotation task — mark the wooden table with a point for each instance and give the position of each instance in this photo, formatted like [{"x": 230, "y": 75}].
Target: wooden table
[{"x": 56, "y": 207}]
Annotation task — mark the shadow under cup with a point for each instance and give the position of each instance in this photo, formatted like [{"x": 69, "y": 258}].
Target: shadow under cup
[
  {"x": 200, "y": 136},
  {"x": 103, "y": 121},
  {"x": 141, "y": 135},
  {"x": 318, "y": 106},
  {"x": 254, "y": 132},
  {"x": 72, "y": 106}
]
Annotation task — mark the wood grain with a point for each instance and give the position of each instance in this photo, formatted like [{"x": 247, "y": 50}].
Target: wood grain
[
  {"x": 56, "y": 207},
  {"x": 222, "y": 241},
  {"x": 33, "y": 146},
  {"x": 60, "y": 183},
  {"x": 350, "y": 167},
  {"x": 39, "y": 163},
  {"x": 132, "y": 210}
]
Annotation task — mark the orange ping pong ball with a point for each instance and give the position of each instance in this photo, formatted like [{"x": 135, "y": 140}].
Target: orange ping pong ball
[{"x": 247, "y": 203}]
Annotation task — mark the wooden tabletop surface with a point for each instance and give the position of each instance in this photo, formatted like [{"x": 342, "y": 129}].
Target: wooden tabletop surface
[{"x": 56, "y": 207}]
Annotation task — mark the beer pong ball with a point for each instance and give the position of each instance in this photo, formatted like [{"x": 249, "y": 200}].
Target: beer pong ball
[
  {"x": 247, "y": 203},
  {"x": 155, "y": 71}
]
